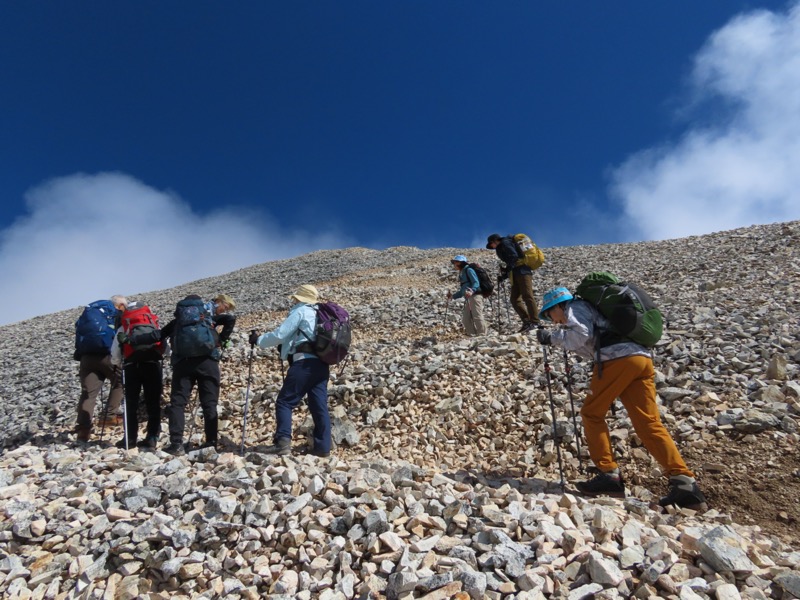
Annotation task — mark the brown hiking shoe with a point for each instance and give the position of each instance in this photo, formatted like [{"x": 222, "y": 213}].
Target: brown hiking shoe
[
  {"x": 83, "y": 433},
  {"x": 111, "y": 420}
]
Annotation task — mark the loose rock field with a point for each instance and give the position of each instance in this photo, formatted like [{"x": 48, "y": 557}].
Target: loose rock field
[{"x": 445, "y": 479}]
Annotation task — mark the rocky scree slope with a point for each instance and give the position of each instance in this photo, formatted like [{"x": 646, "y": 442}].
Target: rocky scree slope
[{"x": 445, "y": 479}]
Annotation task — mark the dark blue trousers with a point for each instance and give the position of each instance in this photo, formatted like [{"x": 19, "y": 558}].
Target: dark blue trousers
[{"x": 307, "y": 377}]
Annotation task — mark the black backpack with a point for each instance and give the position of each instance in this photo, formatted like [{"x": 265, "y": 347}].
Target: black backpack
[
  {"x": 487, "y": 287},
  {"x": 194, "y": 330}
]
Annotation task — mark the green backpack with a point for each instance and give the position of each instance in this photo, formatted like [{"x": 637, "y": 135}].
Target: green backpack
[{"x": 632, "y": 313}]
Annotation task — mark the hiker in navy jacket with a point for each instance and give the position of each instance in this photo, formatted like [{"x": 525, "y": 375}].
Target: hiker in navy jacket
[
  {"x": 521, "y": 296},
  {"x": 470, "y": 290},
  {"x": 307, "y": 374}
]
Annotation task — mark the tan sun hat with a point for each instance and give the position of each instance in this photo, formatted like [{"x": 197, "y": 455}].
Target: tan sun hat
[{"x": 306, "y": 293}]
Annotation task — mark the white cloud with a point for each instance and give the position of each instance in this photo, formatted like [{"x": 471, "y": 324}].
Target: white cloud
[
  {"x": 741, "y": 166},
  {"x": 85, "y": 237}
]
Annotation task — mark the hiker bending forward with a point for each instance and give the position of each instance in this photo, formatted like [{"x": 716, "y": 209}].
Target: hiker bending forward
[
  {"x": 625, "y": 371},
  {"x": 521, "y": 276},
  {"x": 470, "y": 290},
  {"x": 307, "y": 374}
]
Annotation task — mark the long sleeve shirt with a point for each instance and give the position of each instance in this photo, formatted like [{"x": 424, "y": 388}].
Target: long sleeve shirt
[
  {"x": 579, "y": 334},
  {"x": 507, "y": 252},
  {"x": 468, "y": 280},
  {"x": 296, "y": 329}
]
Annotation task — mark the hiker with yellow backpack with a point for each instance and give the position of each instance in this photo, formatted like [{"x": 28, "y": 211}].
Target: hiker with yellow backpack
[{"x": 521, "y": 257}]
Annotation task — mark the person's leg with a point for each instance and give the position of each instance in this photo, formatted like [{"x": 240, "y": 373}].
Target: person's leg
[
  {"x": 639, "y": 399},
  {"x": 525, "y": 283},
  {"x": 153, "y": 384},
  {"x": 295, "y": 386},
  {"x": 466, "y": 318},
  {"x": 90, "y": 388},
  {"x": 182, "y": 382},
  {"x": 478, "y": 320},
  {"x": 133, "y": 391},
  {"x": 318, "y": 374},
  {"x": 617, "y": 376},
  {"x": 516, "y": 299},
  {"x": 114, "y": 375},
  {"x": 208, "y": 381}
]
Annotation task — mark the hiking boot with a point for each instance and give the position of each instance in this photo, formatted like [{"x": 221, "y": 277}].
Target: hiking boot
[
  {"x": 111, "y": 420},
  {"x": 603, "y": 484},
  {"x": 83, "y": 433},
  {"x": 175, "y": 448},
  {"x": 684, "y": 492},
  {"x": 121, "y": 444},
  {"x": 148, "y": 443},
  {"x": 209, "y": 445},
  {"x": 320, "y": 453},
  {"x": 528, "y": 326},
  {"x": 282, "y": 447}
]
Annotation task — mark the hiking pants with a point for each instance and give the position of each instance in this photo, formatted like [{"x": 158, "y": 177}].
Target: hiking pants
[
  {"x": 306, "y": 377},
  {"x": 631, "y": 379},
  {"x": 143, "y": 377},
  {"x": 522, "y": 298},
  {"x": 472, "y": 315},
  {"x": 93, "y": 371},
  {"x": 204, "y": 372}
]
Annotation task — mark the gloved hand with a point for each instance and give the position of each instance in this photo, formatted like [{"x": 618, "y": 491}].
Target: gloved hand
[
  {"x": 122, "y": 337},
  {"x": 502, "y": 276},
  {"x": 226, "y": 344},
  {"x": 543, "y": 335},
  {"x": 468, "y": 292},
  {"x": 253, "y": 338},
  {"x": 449, "y": 295}
]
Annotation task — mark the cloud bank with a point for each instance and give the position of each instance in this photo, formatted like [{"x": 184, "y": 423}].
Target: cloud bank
[
  {"x": 90, "y": 236},
  {"x": 739, "y": 162}
]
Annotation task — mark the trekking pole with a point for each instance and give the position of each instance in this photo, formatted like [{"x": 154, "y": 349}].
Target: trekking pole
[
  {"x": 496, "y": 309},
  {"x": 568, "y": 371},
  {"x": 446, "y": 308},
  {"x": 104, "y": 404},
  {"x": 508, "y": 304},
  {"x": 247, "y": 394},
  {"x": 553, "y": 414},
  {"x": 194, "y": 415},
  {"x": 124, "y": 410}
]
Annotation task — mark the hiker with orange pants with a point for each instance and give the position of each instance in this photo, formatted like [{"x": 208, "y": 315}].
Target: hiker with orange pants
[{"x": 622, "y": 370}]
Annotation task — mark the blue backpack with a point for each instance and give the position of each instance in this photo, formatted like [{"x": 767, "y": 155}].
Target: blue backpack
[
  {"x": 194, "y": 330},
  {"x": 94, "y": 329}
]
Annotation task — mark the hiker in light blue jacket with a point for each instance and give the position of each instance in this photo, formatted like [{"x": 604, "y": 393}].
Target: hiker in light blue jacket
[
  {"x": 307, "y": 374},
  {"x": 470, "y": 290}
]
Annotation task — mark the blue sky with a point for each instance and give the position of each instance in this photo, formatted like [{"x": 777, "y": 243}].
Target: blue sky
[{"x": 263, "y": 130}]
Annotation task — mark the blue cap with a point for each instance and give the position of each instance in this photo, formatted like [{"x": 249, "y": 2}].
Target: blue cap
[
  {"x": 553, "y": 297},
  {"x": 459, "y": 258}
]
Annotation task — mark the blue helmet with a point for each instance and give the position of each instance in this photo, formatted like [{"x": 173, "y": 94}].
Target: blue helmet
[
  {"x": 553, "y": 297},
  {"x": 459, "y": 258}
]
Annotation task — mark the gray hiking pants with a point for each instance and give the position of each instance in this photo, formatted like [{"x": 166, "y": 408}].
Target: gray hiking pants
[
  {"x": 93, "y": 371},
  {"x": 472, "y": 315}
]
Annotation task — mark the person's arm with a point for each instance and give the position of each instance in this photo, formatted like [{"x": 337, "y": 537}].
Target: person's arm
[
  {"x": 463, "y": 282},
  {"x": 472, "y": 280},
  {"x": 227, "y": 322},
  {"x": 507, "y": 251},
  {"x": 116, "y": 349},
  {"x": 168, "y": 330},
  {"x": 577, "y": 335},
  {"x": 282, "y": 333}
]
